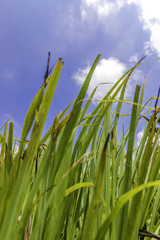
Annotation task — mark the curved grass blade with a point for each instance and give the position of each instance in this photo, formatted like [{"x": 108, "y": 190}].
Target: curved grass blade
[
  {"x": 22, "y": 183},
  {"x": 78, "y": 186},
  {"x": 29, "y": 119},
  {"x": 76, "y": 110},
  {"x": 132, "y": 221},
  {"x": 120, "y": 203},
  {"x": 60, "y": 116}
]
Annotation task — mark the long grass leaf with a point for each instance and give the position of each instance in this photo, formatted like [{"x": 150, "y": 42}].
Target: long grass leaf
[
  {"x": 120, "y": 203},
  {"x": 91, "y": 217}
]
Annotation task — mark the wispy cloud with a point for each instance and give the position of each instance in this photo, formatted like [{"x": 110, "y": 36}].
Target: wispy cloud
[
  {"x": 150, "y": 18},
  {"x": 102, "y": 8},
  {"x": 148, "y": 13},
  {"x": 134, "y": 59}
]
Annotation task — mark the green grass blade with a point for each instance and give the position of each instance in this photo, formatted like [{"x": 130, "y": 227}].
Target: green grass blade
[
  {"x": 127, "y": 180},
  {"x": 120, "y": 203},
  {"x": 90, "y": 221},
  {"x": 76, "y": 110},
  {"x": 100, "y": 117},
  {"x": 132, "y": 221},
  {"x": 23, "y": 181},
  {"x": 60, "y": 116},
  {"x": 3, "y": 147},
  {"x": 78, "y": 186},
  {"x": 9, "y": 154},
  {"x": 29, "y": 119},
  {"x": 43, "y": 111}
]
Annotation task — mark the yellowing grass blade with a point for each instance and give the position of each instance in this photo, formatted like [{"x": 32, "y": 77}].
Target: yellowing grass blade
[{"x": 78, "y": 186}]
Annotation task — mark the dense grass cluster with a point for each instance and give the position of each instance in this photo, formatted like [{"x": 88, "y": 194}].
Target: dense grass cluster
[{"x": 78, "y": 182}]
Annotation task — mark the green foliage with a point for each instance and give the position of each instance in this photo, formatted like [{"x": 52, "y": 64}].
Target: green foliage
[{"x": 84, "y": 179}]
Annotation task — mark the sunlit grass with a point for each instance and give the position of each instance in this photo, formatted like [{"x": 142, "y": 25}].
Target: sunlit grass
[{"x": 80, "y": 181}]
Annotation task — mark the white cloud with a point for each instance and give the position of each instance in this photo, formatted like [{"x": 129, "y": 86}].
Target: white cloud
[
  {"x": 139, "y": 137},
  {"x": 134, "y": 59},
  {"x": 150, "y": 18},
  {"x": 148, "y": 14},
  {"x": 107, "y": 71},
  {"x": 102, "y": 8}
]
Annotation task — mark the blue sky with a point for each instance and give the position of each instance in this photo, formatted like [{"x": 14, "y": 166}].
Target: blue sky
[{"x": 121, "y": 30}]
